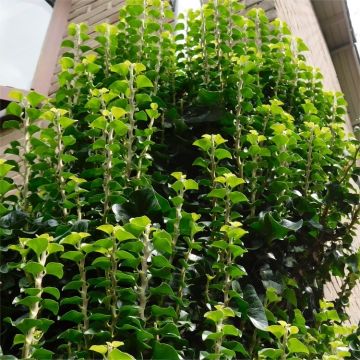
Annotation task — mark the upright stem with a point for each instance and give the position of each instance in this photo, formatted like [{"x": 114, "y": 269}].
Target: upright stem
[
  {"x": 108, "y": 167},
  {"x": 227, "y": 282},
  {"x": 145, "y": 150},
  {"x": 27, "y": 149},
  {"x": 85, "y": 300},
  {"x": 219, "y": 341},
  {"x": 131, "y": 135},
  {"x": 238, "y": 127},
  {"x": 253, "y": 188},
  {"x": 309, "y": 163},
  {"x": 113, "y": 292},
  {"x": 206, "y": 77},
  {"x": 60, "y": 164},
  {"x": 34, "y": 310},
  {"x": 144, "y": 280},
  {"x": 183, "y": 275}
]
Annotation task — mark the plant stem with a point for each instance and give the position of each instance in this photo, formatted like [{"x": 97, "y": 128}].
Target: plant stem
[
  {"x": 131, "y": 136},
  {"x": 144, "y": 280},
  {"x": 34, "y": 310},
  {"x": 113, "y": 292},
  {"x": 27, "y": 150},
  {"x": 85, "y": 300},
  {"x": 227, "y": 282},
  {"x": 309, "y": 163},
  {"x": 144, "y": 150},
  {"x": 219, "y": 341},
  {"x": 108, "y": 167},
  {"x": 60, "y": 164},
  {"x": 238, "y": 127}
]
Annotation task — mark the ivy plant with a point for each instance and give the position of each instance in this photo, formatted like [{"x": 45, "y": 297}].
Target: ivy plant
[{"x": 163, "y": 202}]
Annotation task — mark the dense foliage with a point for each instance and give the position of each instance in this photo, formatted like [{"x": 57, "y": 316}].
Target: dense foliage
[{"x": 186, "y": 193}]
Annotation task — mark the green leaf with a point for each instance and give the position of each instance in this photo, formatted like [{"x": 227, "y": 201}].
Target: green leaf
[
  {"x": 33, "y": 268},
  {"x": 38, "y": 245},
  {"x": 256, "y": 311},
  {"x": 296, "y": 346},
  {"x": 50, "y": 305},
  {"x": 120, "y": 128},
  {"x": 72, "y": 239},
  {"x": 162, "y": 241},
  {"x": 66, "y": 63},
  {"x": 73, "y": 255},
  {"x": 42, "y": 354},
  {"x": 34, "y": 98},
  {"x": 73, "y": 285},
  {"x": 108, "y": 229},
  {"x": 101, "y": 349},
  {"x": 230, "y": 330},
  {"x": 4, "y": 168},
  {"x": 203, "y": 143},
  {"x": 121, "y": 69},
  {"x": 18, "y": 339},
  {"x": 277, "y": 330},
  {"x": 217, "y": 193},
  {"x": 237, "y": 196},
  {"x": 143, "y": 82},
  {"x": 65, "y": 122},
  {"x": 190, "y": 184},
  {"x": 123, "y": 235},
  {"x": 158, "y": 311},
  {"x": 99, "y": 123},
  {"x": 270, "y": 353},
  {"x": 118, "y": 112},
  {"x": 52, "y": 291},
  {"x": 215, "y": 315},
  {"x": 221, "y": 154},
  {"x": 73, "y": 316},
  {"x": 5, "y": 186},
  {"x": 164, "y": 351},
  {"x": 116, "y": 354},
  {"x": 55, "y": 269},
  {"x": 54, "y": 247},
  {"x": 162, "y": 290}
]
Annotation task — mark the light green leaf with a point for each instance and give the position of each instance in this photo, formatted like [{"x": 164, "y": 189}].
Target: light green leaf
[
  {"x": 116, "y": 354},
  {"x": 106, "y": 228},
  {"x": 190, "y": 184},
  {"x": 217, "y": 193},
  {"x": 118, "y": 112},
  {"x": 277, "y": 330},
  {"x": 55, "y": 269},
  {"x": 237, "y": 196},
  {"x": 5, "y": 186},
  {"x": 4, "y": 169},
  {"x": 34, "y": 98},
  {"x": 33, "y": 268},
  {"x": 101, "y": 349},
  {"x": 296, "y": 346},
  {"x": 143, "y": 82},
  {"x": 38, "y": 245},
  {"x": 73, "y": 255},
  {"x": 99, "y": 123},
  {"x": 221, "y": 154}
]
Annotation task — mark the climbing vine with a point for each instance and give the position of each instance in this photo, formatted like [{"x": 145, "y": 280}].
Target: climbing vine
[{"x": 186, "y": 193}]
